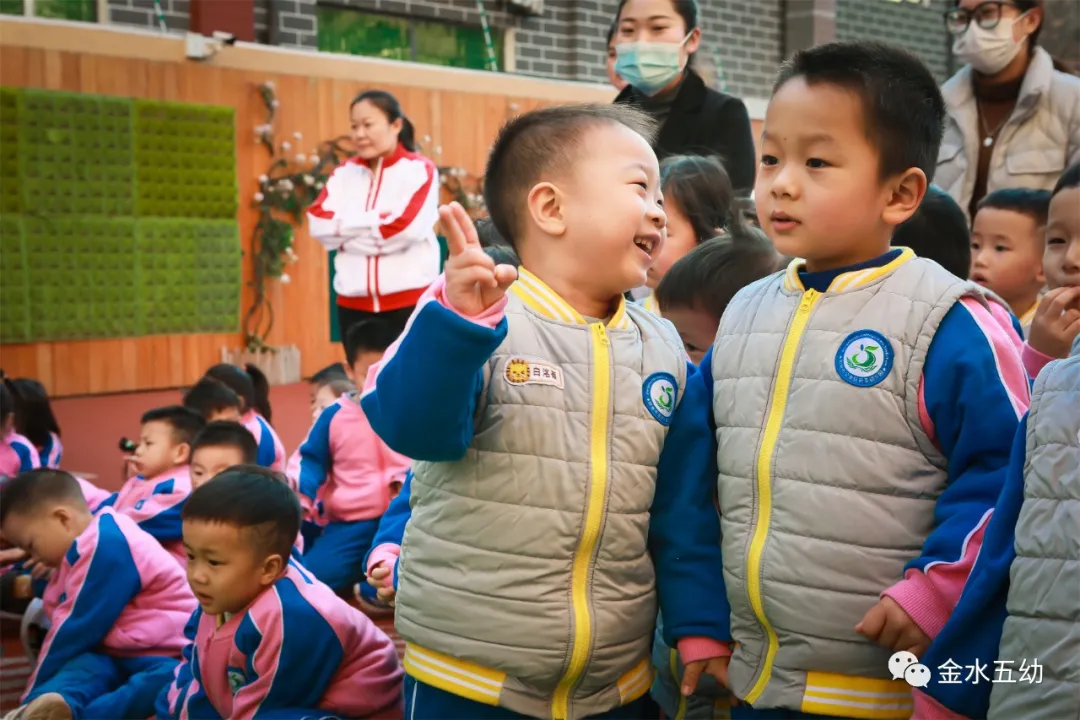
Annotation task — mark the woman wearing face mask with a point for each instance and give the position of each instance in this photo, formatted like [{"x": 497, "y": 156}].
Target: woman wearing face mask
[
  {"x": 1013, "y": 115},
  {"x": 378, "y": 212},
  {"x": 654, "y": 43}
]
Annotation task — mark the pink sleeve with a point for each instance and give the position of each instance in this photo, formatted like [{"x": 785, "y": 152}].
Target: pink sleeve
[
  {"x": 692, "y": 649},
  {"x": 1004, "y": 317},
  {"x": 1034, "y": 360},
  {"x": 929, "y": 596},
  {"x": 386, "y": 554},
  {"x": 927, "y": 708}
]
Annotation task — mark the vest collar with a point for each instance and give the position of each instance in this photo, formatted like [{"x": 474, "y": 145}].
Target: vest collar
[
  {"x": 544, "y": 301},
  {"x": 849, "y": 280}
]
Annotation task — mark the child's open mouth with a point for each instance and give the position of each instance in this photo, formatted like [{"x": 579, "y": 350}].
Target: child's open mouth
[{"x": 647, "y": 243}]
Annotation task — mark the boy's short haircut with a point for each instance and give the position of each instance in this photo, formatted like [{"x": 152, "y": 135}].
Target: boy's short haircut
[
  {"x": 328, "y": 374},
  {"x": 185, "y": 422},
  {"x": 210, "y": 396},
  {"x": 253, "y": 498},
  {"x": 1026, "y": 201},
  {"x": 708, "y": 276},
  {"x": 903, "y": 111},
  {"x": 541, "y": 143},
  {"x": 938, "y": 231},
  {"x": 26, "y": 492},
  {"x": 224, "y": 433},
  {"x": 373, "y": 334}
]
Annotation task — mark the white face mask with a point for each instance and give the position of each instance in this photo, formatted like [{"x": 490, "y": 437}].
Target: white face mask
[{"x": 988, "y": 51}]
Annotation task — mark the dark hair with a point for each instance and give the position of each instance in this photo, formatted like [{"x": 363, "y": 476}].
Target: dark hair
[
  {"x": 938, "y": 231},
  {"x": 33, "y": 414},
  {"x": 26, "y": 492},
  {"x": 489, "y": 234},
  {"x": 373, "y": 334},
  {"x": 611, "y": 33},
  {"x": 250, "y": 497},
  {"x": 687, "y": 10},
  {"x": 7, "y": 399},
  {"x": 249, "y": 383},
  {"x": 503, "y": 255},
  {"x": 223, "y": 433},
  {"x": 185, "y": 422},
  {"x": 209, "y": 396},
  {"x": 708, "y": 276},
  {"x": 1069, "y": 179},
  {"x": 1025, "y": 201},
  {"x": 328, "y": 374},
  {"x": 392, "y": 109},
  {"x": 903, "y": 111},
  {"x": 700, "y": 187},
  {"x": 538, "y": 143}
]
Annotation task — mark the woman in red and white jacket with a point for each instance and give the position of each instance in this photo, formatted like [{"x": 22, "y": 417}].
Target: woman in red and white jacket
[{"x": 378, "y": 212}]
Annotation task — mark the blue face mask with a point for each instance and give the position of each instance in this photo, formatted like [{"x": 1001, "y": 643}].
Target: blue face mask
[{"x": 649, "y": 66}]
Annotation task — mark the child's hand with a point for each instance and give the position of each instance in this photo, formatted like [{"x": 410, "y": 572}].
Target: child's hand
[
  {"x": 889, "y": 626},
  {"x": 1056, "y": 323},
  {"x": 473, "y": 281},
  {"x": 381, "y": 579},
  {"x": 717, "y": 667},
  {"x": 37, "y": 569}
]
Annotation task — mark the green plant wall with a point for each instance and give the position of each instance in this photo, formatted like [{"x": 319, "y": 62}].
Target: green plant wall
[{"x": 117, "y": 217}]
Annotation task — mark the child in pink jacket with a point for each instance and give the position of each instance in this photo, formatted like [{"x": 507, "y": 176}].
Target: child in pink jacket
[
  {"x": 269, "y": 640},
  {"x": 347, "y": 475},
  {"x": 117, "y": 603}
]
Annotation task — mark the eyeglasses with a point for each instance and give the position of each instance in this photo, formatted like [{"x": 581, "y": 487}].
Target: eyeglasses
[{"x": 987, "y": 16}]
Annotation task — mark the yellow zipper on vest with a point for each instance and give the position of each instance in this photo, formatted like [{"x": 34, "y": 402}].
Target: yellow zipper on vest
[
  {"x": 594, "y": 516},
  {"x": 764, "y": 483}
]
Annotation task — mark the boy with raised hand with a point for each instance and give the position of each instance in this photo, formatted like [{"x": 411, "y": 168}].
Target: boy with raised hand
[{"x": 550, "y": 495}]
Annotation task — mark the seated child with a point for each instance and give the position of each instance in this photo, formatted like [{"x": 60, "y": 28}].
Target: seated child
[
  {"x": 698, "y": 287},
  {"x": 938, "y": 231},
  {"x": 328, "y": 385},
  {"x": 34, "y": 420},
  {"x": 17, "y": 454},
  {"x": 1056, "y": 324},
  {"x": 254, "y": 391},
  {"x": 156, "y": 495},
  {"x": 214, "y": 401},
  {"x": 863, "y": 400},
  {"x": 268, "y": 638},
  {"x": 347, "y": 474},
  {"x": 1007, "y": 247},
  {"x": 699, "y": 202},
  {"x": 544, "y": 412},
  {"x": 219, "y": 446},
  {"x": 117, "y": 604},
  {"x": 1019, "y": 616}
]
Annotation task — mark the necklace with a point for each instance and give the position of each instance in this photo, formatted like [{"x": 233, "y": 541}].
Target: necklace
[{"x": 990, "y": 136}]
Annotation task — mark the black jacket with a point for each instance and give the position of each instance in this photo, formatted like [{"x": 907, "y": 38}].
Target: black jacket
[{"x": 704, "y": 121}]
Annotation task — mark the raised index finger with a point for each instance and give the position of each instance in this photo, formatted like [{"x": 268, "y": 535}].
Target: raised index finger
[{"x": 460, "y": 231}]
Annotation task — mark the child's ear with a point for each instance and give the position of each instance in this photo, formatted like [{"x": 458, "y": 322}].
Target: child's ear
[
  {"x": 272, "y": 568},
  {"x": 545, "y": 203},
  {"x": 906, "y": 192},
  {"x": 182, "y": 454}
]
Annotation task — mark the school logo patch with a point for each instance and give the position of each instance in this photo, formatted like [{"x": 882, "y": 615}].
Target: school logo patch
[
  {"x": 659, "y": 392},
  {"x": 864, "y": 359},
  {"x": 237, "y": 679},
  {"x": 524, "y": 370}
]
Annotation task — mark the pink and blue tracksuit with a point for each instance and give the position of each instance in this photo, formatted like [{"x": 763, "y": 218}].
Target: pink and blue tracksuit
[
  {"x": 52, "y": 452},
  {"x": 17, "y": 455},
  {"x": 297, "y": 650},
  {"x": 117, "y": 606},
  {"x": 345, "y": 482},
  {"x": 155, "y": 504},
  {"x": 271, "y": 451}
]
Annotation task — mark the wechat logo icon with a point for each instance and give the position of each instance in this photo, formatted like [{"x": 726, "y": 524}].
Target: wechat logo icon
[{"x": 905, "y": 666}]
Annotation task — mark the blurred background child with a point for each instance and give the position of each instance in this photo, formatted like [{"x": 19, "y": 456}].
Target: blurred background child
[
  {"x": 254, "y": 390},
  {"x": 17, "y": 454},
  {"x": 214, "y": 401},
  {"x": 939, "y": 231},
  {"x": 219, "y": 446},
  {"x": 34, "y": 420},
  {"x": 117, "y": 604}
]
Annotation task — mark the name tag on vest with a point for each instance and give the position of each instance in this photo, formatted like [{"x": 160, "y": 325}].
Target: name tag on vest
[{"x": 525, "y": 370}]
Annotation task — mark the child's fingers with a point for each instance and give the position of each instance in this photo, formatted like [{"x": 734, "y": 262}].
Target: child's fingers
[
  {"x": 872, "y": 623},
  {"x": 456, "y": 240},
  {"x": 505, "y": 275},
  {"x": 690, "y": 678},
  {"x": 1055, "y": 301},
  {"x": 473, "y": 275}
]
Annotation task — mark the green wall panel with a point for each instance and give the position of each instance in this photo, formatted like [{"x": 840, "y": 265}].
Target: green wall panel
[{"x": 117, "y": 217}]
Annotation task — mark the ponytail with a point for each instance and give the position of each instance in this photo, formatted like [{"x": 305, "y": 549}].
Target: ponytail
[
  {"x": 262, "y": 391},
  {"x": 392, "y": 109}
]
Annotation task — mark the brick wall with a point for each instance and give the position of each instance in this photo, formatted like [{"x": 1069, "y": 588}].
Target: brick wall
[
  {"x": 141, "y": 13},
  {"x": 293, "y": 22},
  {"x": 909, "y": 25}
]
